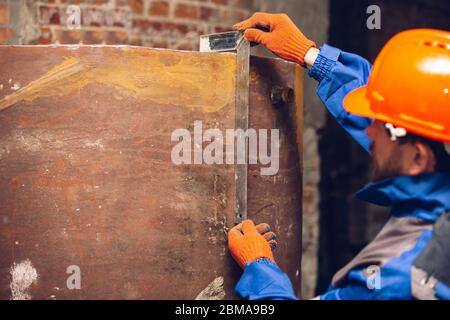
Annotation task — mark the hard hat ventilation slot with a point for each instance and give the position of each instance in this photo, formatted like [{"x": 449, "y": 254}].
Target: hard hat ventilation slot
[{"x": 439, "y": 45}]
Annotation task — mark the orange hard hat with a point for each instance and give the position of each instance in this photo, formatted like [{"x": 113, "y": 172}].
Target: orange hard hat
[{"x": 409, "y": 85}]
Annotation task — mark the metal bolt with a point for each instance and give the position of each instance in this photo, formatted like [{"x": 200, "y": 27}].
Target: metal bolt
[{"x": 281, "y": 95}]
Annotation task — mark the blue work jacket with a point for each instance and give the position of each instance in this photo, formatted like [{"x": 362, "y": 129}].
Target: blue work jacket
[{"x": 383, "y": 269}]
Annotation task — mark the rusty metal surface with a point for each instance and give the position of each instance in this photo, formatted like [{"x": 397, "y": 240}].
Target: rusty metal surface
[
  {"x": 277, "y": 199},
  {"x": 86, "y": 176}
]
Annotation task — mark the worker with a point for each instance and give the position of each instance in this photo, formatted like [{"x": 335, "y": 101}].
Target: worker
[{"x": 399, "y": 112}]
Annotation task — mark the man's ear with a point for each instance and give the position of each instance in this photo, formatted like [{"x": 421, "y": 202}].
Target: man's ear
[{"x": 422, "y": 159}]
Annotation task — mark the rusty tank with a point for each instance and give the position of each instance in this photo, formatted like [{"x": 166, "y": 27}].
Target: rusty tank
[{"x": 92, "y": 205}]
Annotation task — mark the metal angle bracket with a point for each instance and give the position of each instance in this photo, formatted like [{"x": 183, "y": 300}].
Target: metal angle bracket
[
  {"x": 235, "y": 41},
  {"x": 241, "y": 123}
]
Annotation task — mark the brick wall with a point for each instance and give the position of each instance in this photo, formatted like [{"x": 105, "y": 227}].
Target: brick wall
[
  {"x": 174, "y": 24},
  {"x": 5, "y": 32}
]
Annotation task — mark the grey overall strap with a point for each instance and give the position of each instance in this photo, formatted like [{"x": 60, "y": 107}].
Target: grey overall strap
[{"x": 432, "y": 265}]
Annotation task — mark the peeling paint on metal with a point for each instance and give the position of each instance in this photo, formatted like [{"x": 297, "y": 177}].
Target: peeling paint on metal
[
  {"x": 23, "y": 276},
  {"x": 214, "y": 291},
  {"x": 97, "y": 144}
]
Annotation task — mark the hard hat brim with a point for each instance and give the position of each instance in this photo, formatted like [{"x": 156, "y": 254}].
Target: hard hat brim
[{"x": 356, "y": 102}]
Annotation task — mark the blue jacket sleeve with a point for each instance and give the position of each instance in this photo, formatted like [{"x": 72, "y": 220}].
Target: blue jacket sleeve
[
  {"x": 338, "y": 73},
  {"x": 355, "y": 289},
  {"x": 442, "y": 291},
  {"x": 263, "y": 280}
]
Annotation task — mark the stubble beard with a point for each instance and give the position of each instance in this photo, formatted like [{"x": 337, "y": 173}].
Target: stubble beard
[{"x": 392, "y": 168}]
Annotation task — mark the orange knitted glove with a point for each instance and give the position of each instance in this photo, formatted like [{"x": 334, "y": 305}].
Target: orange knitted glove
[
  {"x": 283, "y": 38},
  {"x": 246, "y": 244}
]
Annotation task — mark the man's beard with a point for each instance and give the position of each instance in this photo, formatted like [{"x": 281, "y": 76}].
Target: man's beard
[{"x": 392, "y": 168}]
